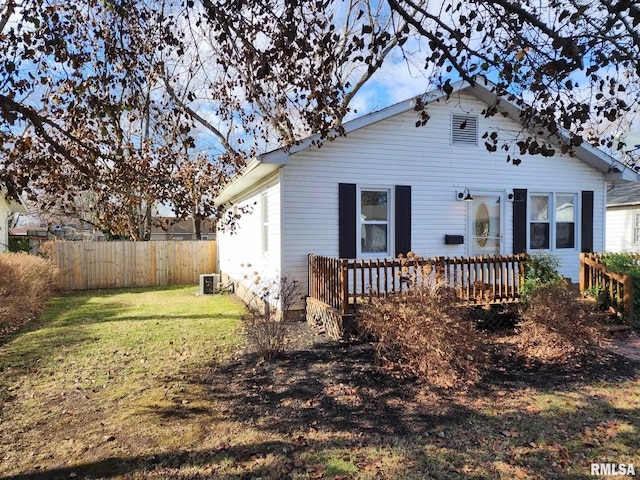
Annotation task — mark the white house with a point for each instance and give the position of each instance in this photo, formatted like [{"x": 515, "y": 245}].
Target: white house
[
  {"x": 388, "y": 187},
  {"x": 623, "y": 218},
  {"x": 7, "y": 208}
]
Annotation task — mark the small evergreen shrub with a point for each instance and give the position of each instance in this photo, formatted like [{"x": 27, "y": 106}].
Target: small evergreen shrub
[
  {"x": 18, "y": 245},
  {"x": 541, "y": 270},
  {"x": 26, "y": 282},
  {"x": 425, "y": 334}
]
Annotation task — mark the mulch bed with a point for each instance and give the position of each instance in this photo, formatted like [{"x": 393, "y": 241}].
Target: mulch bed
[{"x": 335, "y": 386}]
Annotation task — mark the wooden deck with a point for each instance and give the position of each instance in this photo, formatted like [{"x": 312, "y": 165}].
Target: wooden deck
[
  {"x": 614, "y": 289},
  {"x": 338, "y": 285}
]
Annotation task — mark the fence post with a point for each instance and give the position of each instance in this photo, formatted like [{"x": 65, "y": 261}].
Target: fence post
[
  {"x": 583, "y": 273},
  {"x": 439, "y": 261},
  {"x": 628, "y": 298},
  {"x": 310, "y": 275},
  {"x": 344, "y": 286},
  {"x": 522, "y": 261}
]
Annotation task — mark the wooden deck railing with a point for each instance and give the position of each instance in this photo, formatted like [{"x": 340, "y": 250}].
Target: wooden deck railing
[
  {"x": 616, "y": 289},
  {"x": 342, "y": 283}
]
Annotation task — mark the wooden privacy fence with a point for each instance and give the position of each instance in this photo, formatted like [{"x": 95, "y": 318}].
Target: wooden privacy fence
[
  {"x": 89, "y": 265},
  {"x": 614, "y": 289},
  {"x": 342, "y": 283}
]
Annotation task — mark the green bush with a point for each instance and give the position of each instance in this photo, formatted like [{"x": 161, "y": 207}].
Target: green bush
[
  {"x": 622, "y": 263},
  {"x": 541, "y": 270},
  {"x": 627, "y": 264},
  {"x": 25, "y": 284},
  {"x": 425, "y": 334},
  {"x": 19, "y": 245}
]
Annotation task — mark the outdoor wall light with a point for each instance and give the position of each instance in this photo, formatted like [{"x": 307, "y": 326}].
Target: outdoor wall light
[{"x": 465, "y": 195}]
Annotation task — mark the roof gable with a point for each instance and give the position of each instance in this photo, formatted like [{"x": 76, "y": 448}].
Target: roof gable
[{"x": 264, "y": 165}]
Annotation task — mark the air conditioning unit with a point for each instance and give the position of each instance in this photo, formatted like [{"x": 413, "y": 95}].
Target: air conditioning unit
[{"x": 209, "y": 283}]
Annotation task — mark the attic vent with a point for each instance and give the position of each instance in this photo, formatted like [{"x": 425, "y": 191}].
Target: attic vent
[{"x": 464, "y": 129}]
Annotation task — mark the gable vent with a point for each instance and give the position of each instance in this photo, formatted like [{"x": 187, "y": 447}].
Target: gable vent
[{"x": 464, "y": 129}]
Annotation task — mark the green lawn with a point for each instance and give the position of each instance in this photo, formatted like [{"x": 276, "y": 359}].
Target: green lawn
[
  {"x": 156, "y": 383},
  {"x": 109, "y": 374}
]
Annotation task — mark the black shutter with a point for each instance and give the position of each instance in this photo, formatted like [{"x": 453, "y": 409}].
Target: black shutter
[
  {"x": 519, "y": 220},
  {"x": 347, "y": 220},
  {"x": 403, "y": 220},
  {"x": 587, "y": 221}
]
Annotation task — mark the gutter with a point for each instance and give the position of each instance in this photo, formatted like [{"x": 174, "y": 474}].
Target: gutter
[{"x": 256, "y": 170}]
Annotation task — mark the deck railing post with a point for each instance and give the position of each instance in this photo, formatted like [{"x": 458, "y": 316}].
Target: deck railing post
[
  {"x": 439, "y": 261},
  {"x": 521, "y": 271},
  {"x": 583, "y": 273},
  {"x": 628, "y": 298},
  {"x": 344, "y": 286},
  {"x": 310, "y": 280}
]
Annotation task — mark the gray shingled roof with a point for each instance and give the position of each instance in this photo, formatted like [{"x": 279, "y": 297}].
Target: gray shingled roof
[{"x": 623, "y": 193}]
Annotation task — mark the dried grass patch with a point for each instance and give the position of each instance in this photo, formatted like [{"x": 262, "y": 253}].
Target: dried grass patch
[
  {"x": 426, "y": 334},
  {"x": 556, "y": 327},
  {"x": 25, "y": 284}
]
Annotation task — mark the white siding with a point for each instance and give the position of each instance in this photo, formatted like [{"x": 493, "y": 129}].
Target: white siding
[
  {"x": 241, "y": 252},
  {"x": 395, "y": 152},
  {"x": 4, "y": 224},
  {"x": 620, "y": 225}
]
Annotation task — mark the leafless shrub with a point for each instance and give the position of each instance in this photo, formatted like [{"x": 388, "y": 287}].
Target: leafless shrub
[
  {"x": 556, "y": 327},
  {"x": 426, "y": 334},
  {"x": 269, "y": 306},
  {"x": 26, "y": 282}
]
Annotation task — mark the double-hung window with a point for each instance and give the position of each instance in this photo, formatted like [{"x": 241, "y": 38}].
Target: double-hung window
[
  {"x": 552, "y": 221},
  {"x": 374, "y": 218},
  {"x": 636, "y": 227},
  {"x": 373, "y": 221}
]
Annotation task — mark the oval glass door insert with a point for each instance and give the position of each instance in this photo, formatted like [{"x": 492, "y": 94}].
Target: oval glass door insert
[{"x": 482, "y": 225}]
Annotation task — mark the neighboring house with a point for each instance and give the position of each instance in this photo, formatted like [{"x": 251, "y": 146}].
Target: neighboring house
[
  {"x": 7, "y": 209},
  {"x": 623, "y": 218},
  {"x": 80, "y": 231},
  {"x": 30, "y": 236},
  {"x": 35, "y": 235},
  {"x": 169, "y": 228},
  {"x": 388, "y": 187}
]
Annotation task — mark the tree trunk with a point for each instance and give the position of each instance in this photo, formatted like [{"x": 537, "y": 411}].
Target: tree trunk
[{"x": 197, "y": 227}]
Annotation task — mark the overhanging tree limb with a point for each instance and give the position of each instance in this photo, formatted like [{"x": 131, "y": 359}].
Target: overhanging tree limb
[
  {"x": 200, "y": 119},
  {"x": 38, "y": 123}
]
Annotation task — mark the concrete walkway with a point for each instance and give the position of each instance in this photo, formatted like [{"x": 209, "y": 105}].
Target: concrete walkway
[{"x": 628, "y": 347}]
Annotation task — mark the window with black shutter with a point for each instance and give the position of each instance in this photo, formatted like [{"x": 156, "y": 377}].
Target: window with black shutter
[{"x": 374, "y": 221}]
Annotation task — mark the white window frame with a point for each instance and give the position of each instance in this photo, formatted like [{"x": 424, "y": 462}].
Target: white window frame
[
  {"x": 635, "y": 216},
  {"x": 551, "y": 219},
  {"x": 389, "y": 222}
]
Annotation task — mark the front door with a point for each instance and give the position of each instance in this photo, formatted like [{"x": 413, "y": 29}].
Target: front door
[{"x": 485, "y": 225}]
